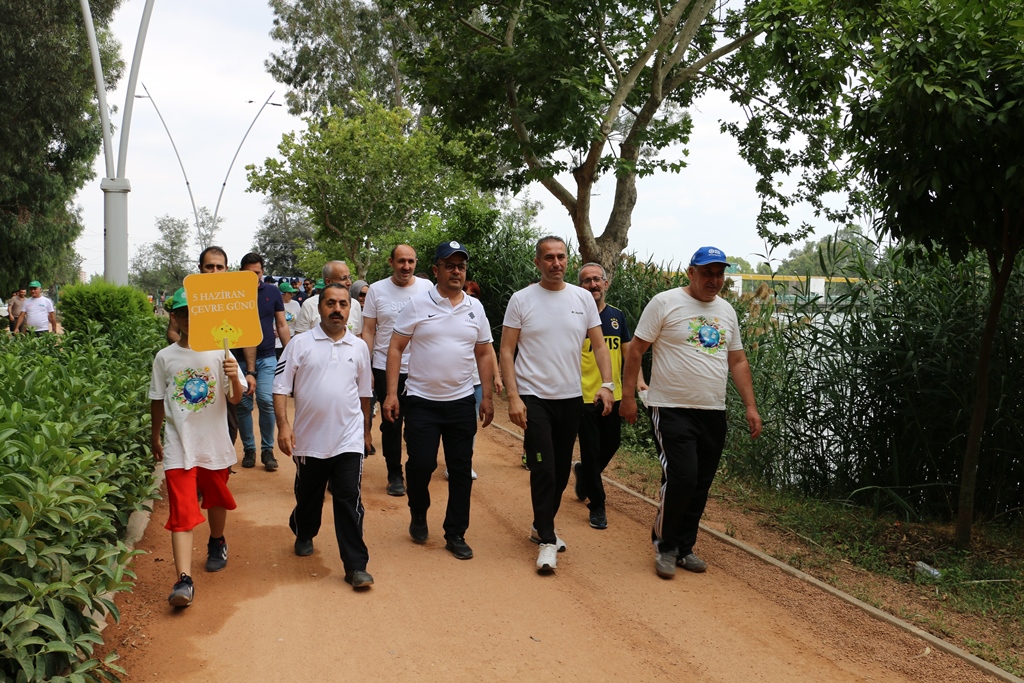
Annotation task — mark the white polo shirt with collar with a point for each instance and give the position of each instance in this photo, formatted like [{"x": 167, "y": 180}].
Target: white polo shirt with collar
[
  {"x": 327, "y": 379},
  {"x": 442, "y": 352}
]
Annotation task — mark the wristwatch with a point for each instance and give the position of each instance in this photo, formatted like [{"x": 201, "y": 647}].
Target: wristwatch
[
  {"x": 250, "y": 372},
  {"x": 610, "y": 386}
]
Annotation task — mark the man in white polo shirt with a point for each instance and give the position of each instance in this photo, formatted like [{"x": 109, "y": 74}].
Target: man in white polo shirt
[
  {"x": 545, "y": 393},
  {"x": 37, "y": 313},
  {"x": 327, "y": 371},
  {"x": 384, "y": 301},
  {"x": 696, "y": 344},
  {"x": 452, "y": 337}
]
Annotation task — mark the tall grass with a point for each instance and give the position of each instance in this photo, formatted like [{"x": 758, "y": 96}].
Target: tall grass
[{"x": 866, "y": 396}]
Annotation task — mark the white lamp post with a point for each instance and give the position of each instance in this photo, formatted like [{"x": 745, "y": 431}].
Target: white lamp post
[{"x": 115, "y": 186}]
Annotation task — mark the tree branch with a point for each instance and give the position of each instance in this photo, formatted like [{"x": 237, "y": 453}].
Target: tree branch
[
  {"x": 479, "y": 31},
  {"x": 608, "y": 54},
  {"x": 689, "y": 72}
]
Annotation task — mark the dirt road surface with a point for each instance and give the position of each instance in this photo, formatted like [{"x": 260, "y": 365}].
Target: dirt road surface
[{"x": 604, "y": 616}]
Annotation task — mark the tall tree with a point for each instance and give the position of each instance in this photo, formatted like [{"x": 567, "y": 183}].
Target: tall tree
[
  {"x": 284, "y": 230},
  {"x": 939, "y": 130},
  {"x": 206, "y": 229},
  {"x": 161, "y": 266},
  {"x": 333, "y": 49},
  {"x": 361, "y": 176},
  {"x": 50, "y": 129},
  {"x": 593, "y": 89}
]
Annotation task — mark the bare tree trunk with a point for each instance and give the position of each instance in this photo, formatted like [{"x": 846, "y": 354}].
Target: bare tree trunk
[{"x": 969, "y": 476}]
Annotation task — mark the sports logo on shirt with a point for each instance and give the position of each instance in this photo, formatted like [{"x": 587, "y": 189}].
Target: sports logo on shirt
[
  {"x": 194, "y": 389},
  {"x": 707, "y": 335},
  {"x": 615, "y": 323}
]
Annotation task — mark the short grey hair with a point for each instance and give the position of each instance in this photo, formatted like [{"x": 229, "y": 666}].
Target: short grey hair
[
  {"x": 329, "y": 268},
  {"x": 546, "y": 239},
  {"x": 579, "y": 276}
]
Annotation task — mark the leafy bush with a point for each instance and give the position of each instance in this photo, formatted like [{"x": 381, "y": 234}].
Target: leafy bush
[
  {"x": 74, "y": 465},
  {"x": 103, "y": 303}
]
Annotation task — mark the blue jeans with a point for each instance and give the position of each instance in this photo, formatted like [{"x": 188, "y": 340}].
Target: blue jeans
[{"x": 265, "y": 368}]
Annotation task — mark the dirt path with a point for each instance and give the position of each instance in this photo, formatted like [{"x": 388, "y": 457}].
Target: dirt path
[{"x": 604, "y": 616}]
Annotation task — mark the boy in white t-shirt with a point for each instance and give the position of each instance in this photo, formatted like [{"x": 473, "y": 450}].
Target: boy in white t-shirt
[{"x": 187, "y": 388}]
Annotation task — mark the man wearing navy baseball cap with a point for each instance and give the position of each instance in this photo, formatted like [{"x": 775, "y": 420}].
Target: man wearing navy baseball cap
[
  {"x": 453, "y": 338},
  {"x": 695, "y": 340}
]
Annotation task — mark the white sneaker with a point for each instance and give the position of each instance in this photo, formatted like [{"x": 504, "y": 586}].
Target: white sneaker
[
  {"x": 446, "y": 473},
  {"x": 559, "y": 543},
  {"x": 547, "y": 559}
]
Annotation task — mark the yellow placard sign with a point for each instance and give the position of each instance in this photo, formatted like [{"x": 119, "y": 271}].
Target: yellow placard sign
[{"x": 222, "y": 310}]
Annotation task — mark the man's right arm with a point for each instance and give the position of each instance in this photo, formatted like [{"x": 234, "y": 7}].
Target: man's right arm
[
  {"x": 634, "y": 353},
  {"x": 369, "y": 333},
  {"x": 285, "y": 437},
  {"x": 516, "y": 407}
]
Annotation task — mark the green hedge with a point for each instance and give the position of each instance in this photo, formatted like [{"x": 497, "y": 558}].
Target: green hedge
[
  {"x": 74, "y": 464},
  {"x": 103, "y": 303}
]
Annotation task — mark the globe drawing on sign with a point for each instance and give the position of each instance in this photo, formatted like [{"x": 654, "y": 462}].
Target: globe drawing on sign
[
  {"x": 709, "y": 336},
  {"x": 196, "y": 390}
]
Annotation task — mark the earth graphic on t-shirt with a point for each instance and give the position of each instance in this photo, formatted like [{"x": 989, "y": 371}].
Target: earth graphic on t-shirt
[
  {"x": 196, "y": 390},
  {"x": 709, "y": 336}
]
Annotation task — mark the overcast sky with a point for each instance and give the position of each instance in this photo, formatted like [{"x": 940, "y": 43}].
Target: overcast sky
[{"x": 203, "y": 65}]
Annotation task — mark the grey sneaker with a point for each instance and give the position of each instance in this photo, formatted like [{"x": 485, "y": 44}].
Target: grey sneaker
[
  {"x": 547, "y": 558},
  {"x": 535, "y": 537},
  {"x": 216, "y": 554},
  {"x": 182, "y": 593},
  {"x": 692, "y": 563},
  {"x": 665, "y": 563}
]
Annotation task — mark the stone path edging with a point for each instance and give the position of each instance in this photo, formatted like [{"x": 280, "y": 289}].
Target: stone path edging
[{"x": 935, "y": 641}]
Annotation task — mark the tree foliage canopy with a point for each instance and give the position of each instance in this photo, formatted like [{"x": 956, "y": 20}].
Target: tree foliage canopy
[
  {"x": 50, "y": 128},
  {"x": 161, "y": 266},
  {"x": 361, "y": 176},
  {"x": 284, "y": 230}
]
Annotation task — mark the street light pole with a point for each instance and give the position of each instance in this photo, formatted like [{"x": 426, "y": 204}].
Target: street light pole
[{"x": 116, "y": 187}]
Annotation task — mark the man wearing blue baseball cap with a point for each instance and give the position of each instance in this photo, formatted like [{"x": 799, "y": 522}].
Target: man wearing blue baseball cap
[{"x": 695, "y": 340}]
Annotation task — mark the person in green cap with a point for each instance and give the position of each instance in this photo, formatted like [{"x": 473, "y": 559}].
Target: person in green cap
[
  {"x": 187, "y": 388},
  {"x": 291, "y": 313},
  {"x": 38, "y": 314}
]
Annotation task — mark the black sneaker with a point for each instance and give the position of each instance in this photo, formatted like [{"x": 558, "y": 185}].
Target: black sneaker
[
  {"x": 598, "y": 519},
  {"x": 418, "y": 527},
  {"x": 581, "y": 492},
  {"x": 396, "y": 486},
  {"x": 360, "y": 578},
  {"x": 303, "y": 547},
  {"x": 216, "y": 554},
  {"x": 269, "y": 463},
  {"x": 249, "y": 459},
  {"x": 182, "y": 593},
  {"x": 458, "y": 547}
]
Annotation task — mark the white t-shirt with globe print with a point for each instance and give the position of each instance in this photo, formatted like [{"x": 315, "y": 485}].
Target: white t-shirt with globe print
[
  {"x": 691, "y": 340},
  {"x": 192, "y": 385}
]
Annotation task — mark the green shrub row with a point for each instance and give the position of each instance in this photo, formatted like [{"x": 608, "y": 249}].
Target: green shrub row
[{"x": 74, "y": 465}]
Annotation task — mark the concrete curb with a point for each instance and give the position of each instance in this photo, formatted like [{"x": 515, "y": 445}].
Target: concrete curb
[
  {"x": 934, "y": 641},
  {"x": 137, "y": 523}
]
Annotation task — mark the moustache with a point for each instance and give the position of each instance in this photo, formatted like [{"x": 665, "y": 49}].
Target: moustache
[{"x": 335, "y": 316}]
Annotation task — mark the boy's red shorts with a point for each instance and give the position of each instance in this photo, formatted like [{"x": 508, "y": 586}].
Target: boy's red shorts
[{"x": 182, "y": 489}]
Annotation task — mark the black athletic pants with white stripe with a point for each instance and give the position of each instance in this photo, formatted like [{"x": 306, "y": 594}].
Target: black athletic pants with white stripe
[
  {"x": 690, "y": 443},
  {"x": 345, "y": 472},
  {"x": 551, "y": 428}
]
